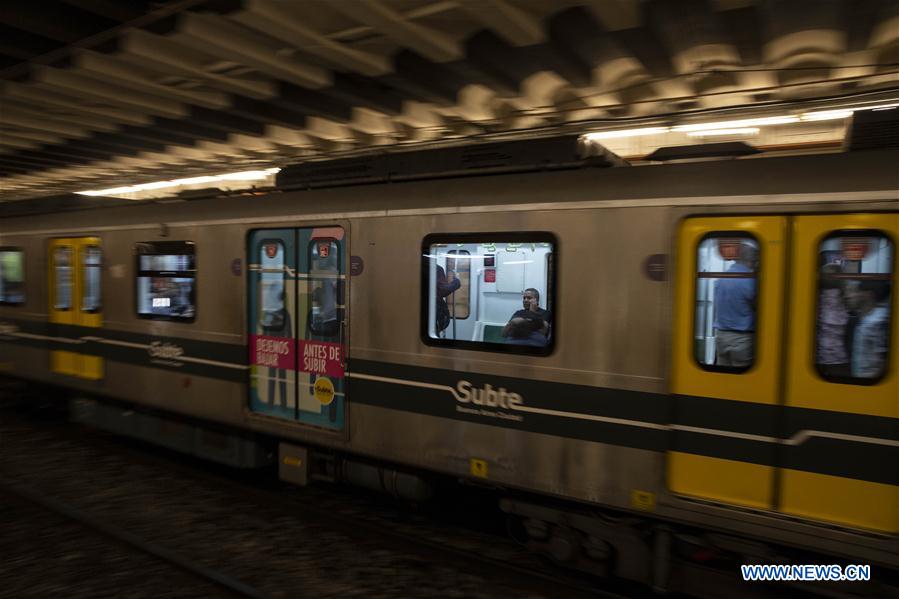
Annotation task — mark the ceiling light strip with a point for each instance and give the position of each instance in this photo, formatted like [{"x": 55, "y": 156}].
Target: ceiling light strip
[
  {"x": 736, "y": 131},
  {"x": 239, "y": 176}
]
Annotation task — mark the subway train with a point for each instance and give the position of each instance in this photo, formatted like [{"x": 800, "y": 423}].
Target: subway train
[{"x": 654, "y": 365}]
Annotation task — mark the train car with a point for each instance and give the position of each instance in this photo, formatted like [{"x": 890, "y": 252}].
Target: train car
[{"x": 699, "y": 354}]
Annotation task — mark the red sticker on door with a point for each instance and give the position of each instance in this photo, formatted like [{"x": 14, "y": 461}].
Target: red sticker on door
[
  {"x": 274, "y": 352},
  {"x": 321, "y": 357}
]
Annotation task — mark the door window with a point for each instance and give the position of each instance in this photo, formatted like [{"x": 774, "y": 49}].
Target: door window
[
  {"x": 324, "y": 287},
  {"x": 852, "y": 325},
  {"x": 272, "y": 314},
  {"x": 90, "y": 265},
  {"x": 726, "y": 301},
  {"x": 62, "y": 263}
]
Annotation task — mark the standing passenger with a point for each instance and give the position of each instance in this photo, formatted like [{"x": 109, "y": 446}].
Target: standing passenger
[
  {"x": 277, "y": 324},
  {"x": 735, "y": 300},
  {"x": 833, "y": 318},
  {"x": 870, "y": 300},
  {"x": 324, "y": 309},
  {"x": 446, "y": 284}
]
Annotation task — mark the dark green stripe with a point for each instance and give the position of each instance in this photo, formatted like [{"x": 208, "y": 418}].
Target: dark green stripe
[
  {"x": 849, "y": 459},
  {"x": 614, "y": 403},
  {"x": 228, "y": 353},
  {"x": 837, "y": 457},
  {"x": 737, "y": 416},
  {"x": 441, "y": 404}
]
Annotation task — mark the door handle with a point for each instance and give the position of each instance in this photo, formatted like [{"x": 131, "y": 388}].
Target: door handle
[{"x": 341, "y": 338}]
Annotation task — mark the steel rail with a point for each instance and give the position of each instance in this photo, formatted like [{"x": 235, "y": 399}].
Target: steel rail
[{"x": 169, "y": 556}]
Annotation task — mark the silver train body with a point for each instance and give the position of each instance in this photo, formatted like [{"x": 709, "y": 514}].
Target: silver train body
[{"x": 613, "y": 326}]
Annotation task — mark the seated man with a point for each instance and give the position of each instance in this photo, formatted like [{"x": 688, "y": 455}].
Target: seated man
[
  {"x": 530, "y": 299},
  {"x": 526, "y": 330}
]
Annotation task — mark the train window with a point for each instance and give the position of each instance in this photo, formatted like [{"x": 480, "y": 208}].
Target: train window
[
  {"x": 90, "y": 265},
  {"x": 62, "y": 278},
  {"x": 166, "y": 280},
  {"x": 459, "y": 262},
  {"x": 852, "y": 332},
  {"x": 12, "y": 276},
  {"x": 726, "y": 291},
  {"x": 506, "y": 281},
  {"x": 324, "y": 274},
  {"x": 273, "y": 315}
]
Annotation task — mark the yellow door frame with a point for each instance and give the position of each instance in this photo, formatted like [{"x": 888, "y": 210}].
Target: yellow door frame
[
  {"x": 847, "y": 501},
  {"x": 726, "y": 480},
  {"x": 784, "y": 376},
  {"x": 72, "y": 362}
]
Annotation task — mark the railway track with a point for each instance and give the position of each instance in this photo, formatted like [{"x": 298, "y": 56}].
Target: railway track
[
  {"x": 493, "y": 560},
  {"x": 217, "y": 579}
]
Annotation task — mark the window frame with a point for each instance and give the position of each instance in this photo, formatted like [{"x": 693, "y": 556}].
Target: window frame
[
  {"x": 169, "y": 248},
  {"x": 495, "y": 237},
  {"x": 851, "y": 380},
  {"x": 21, "y": 250},
  {"x": 734, "y": 234}
]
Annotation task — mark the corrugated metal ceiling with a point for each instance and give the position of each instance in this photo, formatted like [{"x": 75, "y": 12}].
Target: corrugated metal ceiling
[{"x": 98, "y": 93}]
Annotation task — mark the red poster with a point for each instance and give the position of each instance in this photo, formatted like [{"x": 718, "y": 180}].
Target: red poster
[
  {"x": 490, "y": 275},
  {"x": 321, "y": 357},
  {"x": 274, "y": 352}
]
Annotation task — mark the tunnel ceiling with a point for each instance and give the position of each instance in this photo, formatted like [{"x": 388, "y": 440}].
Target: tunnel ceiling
[{"x": 98, "y": 93}]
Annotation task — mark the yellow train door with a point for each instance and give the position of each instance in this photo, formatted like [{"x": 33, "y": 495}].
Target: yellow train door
[
  {"x": 841, "y": 406},
  {"x": 74, "y": 272},
  {"x": 786, "y": 368},
  {"x": 727, "y": 358}
]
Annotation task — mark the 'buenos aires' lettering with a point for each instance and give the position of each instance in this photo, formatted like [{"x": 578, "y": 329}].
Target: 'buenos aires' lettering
[{"x": 488, "y": 396}]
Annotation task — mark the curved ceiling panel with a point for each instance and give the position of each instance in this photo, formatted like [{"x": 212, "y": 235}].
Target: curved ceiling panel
[{"x": 96, "y": 93}]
